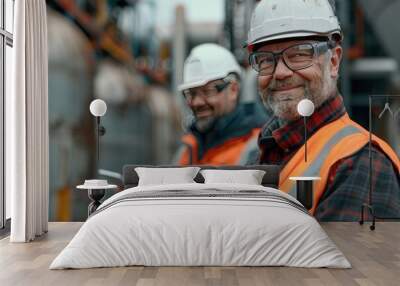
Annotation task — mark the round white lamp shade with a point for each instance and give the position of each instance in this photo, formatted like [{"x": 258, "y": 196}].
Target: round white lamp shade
[
  {"x": 98, "y": 107},
  {"x": 305, "y": 107}
]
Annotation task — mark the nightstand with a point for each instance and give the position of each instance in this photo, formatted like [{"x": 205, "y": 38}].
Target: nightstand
[
  {"x": 304, "y": 190},
  {"x": 95, "y": 194}
]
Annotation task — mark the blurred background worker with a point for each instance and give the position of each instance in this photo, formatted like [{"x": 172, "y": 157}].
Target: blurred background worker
[
  {"x": 297, "y": 55},
  {"x": 223, "y": 131}
]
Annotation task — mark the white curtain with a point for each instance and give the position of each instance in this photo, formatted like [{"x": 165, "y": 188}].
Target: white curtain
[{"x": 27, "y": 168}]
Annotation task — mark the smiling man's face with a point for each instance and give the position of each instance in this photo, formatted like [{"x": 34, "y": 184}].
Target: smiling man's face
[
  {"x": 283, "y": 90},
  {"x": 210, "y": 104}
]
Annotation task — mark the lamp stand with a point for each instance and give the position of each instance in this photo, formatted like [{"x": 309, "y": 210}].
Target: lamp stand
[
  {"x": 305, "y": 138},
  {"x": 100, "y": 131},
  {"x": 98, "y": 140},
  {"x": 369, "y": 205}
]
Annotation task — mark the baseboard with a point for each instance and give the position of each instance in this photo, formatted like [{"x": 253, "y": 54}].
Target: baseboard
[{"x": 5, "y": 231}]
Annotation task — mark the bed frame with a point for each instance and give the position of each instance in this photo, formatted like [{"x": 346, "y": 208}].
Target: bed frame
[{"x": 271, "y": 178}]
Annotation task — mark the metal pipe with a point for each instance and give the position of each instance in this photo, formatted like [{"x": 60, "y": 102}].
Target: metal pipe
[
  {"x": 345, "y": 82},
  {"x": 179, "y": 55}
]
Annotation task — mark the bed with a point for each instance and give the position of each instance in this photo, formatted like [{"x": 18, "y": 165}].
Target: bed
[{"x": 201, "y": 223}]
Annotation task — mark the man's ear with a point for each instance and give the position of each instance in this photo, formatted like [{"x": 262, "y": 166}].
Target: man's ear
[
  {"x": 234, "y": 88},
  {"x": 336, "y": 58}
]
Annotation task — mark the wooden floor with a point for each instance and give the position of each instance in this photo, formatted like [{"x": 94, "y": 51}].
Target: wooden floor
[{"x": 374, "y": 255}]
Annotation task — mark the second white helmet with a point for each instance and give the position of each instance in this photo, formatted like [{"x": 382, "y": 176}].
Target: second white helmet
[{"x": 208, "y": 62}]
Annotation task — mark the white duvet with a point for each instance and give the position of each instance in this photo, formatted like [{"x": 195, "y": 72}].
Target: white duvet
[{"x": 183, "y": 231}]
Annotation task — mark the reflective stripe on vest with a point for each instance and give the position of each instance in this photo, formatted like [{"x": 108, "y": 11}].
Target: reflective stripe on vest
[
  {"x": 337, "y": 140},
  {"x": 251, "y": 146},
  {"x": 321, "y": 157},
  {"x": 189, "y": 154},
  {"x": 180, "y": 154}
]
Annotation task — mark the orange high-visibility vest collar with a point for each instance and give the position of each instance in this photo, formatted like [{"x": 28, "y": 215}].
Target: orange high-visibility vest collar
[
  {"x": 333, "y": 142},
  {"x": 232, "y": 152}
]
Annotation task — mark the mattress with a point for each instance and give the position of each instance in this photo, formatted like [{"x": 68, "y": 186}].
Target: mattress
[{"x": 201, "y": 225}]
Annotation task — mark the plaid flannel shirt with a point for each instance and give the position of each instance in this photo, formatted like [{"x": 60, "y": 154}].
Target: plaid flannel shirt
[{"x": 348, "y": 183}]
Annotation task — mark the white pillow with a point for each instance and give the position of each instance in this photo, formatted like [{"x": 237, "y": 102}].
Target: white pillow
[
  {"x": 162, "y": 176},
  {"x": 248, "y": 177}
]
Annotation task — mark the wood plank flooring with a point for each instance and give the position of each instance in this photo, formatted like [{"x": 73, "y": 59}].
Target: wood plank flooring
[{"x": 374, "y": 255}]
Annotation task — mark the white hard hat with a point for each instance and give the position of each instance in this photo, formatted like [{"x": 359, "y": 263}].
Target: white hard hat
[
  {"x": 282, "y": 19},
  {"x": 207, "y": 62}
]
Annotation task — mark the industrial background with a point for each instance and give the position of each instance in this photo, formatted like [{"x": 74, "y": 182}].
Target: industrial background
[{"x": 130, "y": 53}]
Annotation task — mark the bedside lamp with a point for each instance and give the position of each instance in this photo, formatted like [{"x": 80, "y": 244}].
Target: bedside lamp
[
  {"x": 305, "y": 108},
  {"x": 97, "y": 188},
  {"x": 304, "y": 185},
  {"x": 98, "y": 108}
]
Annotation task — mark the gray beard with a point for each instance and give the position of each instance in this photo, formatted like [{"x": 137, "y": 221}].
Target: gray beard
[
  {"x": 205, "y": 125},
  {"x": 317, "y": 97}
]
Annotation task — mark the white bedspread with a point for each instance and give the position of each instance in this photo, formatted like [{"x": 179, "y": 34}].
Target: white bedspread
[{"x": 181, "y": 231}]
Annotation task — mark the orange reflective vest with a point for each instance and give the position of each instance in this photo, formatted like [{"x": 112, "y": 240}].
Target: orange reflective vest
[
  {"x": 234, "y": 151},
  {"x": 333, "y": 142}
]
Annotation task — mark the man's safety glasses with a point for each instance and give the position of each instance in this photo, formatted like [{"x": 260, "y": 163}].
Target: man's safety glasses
[
  {"x": 205, "y": 92},
  {"x": 296, "y": 57}
]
